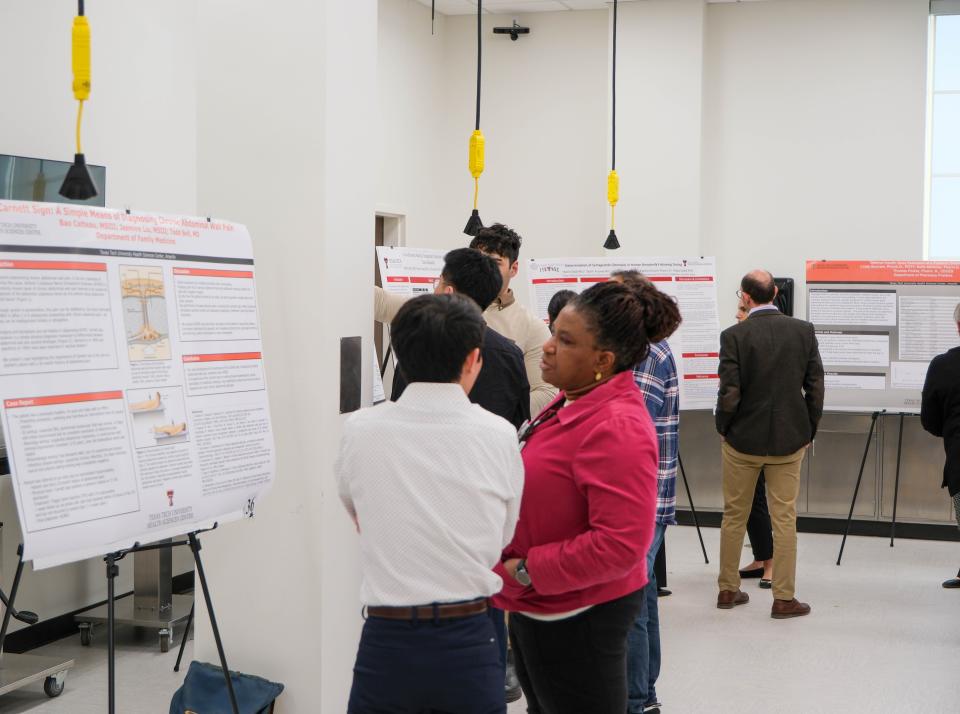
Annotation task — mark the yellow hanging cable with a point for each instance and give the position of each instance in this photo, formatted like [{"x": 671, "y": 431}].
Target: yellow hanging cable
[
  {"x": 81, "y": 67},
  {"x": 78, "y": 184},
  {"x": 613, "y": 193},
  {"x": 79, "y": 122}
]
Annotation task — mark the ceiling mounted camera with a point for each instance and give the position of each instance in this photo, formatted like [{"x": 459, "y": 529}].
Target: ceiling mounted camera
[{"x": 514, "y": 31}]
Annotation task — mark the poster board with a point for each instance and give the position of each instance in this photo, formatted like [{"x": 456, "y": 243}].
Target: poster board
[
  {"x": 879, "y": 323},
  {"x": 409, "y": 271},
  {"x": 692, "y": 281},
  {"x": 132, "y": 388}
]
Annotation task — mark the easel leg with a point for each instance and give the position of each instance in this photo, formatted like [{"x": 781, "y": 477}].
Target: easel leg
[
  {"x": 195, "y": 547},
  {"x": 13, "y": 596},
  {"x": 693, "y": 510},
  {"x": 112, "y": 571},
  {"x": 856, "y": 490},
  {"x": 896, "y": 484},
  {"x": 183, "y": 639}
]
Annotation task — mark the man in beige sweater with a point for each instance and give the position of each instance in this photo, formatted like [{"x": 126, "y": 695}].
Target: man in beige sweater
[
  {"x": 510, "y": 318},
  {"x": 505, "y": 315}
]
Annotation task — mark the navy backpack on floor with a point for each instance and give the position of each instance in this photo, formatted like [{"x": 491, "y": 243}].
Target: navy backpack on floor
[{"x": 204, "y": 691}]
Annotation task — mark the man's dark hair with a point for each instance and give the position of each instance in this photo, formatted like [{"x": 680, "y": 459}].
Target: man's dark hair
[
  {"x": 557, "y": 303},
  {"x": 626, "y": 317},
  {"x": 499, "y": 239},
  {"x": 473, "y": 274},
  {"x": 433, "y": 334},
  {"x": 760, "y": 289}
]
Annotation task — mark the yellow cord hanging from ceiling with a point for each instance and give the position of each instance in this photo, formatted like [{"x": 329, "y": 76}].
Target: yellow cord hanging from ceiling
[
  {"x": 78, "y": 184},
  {"x": 475, "y": 163}
]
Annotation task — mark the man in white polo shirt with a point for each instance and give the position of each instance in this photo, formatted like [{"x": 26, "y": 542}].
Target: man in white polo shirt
[{"x": 434, "y": 484}]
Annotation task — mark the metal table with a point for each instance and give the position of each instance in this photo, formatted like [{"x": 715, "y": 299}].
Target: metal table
[
  {"x": 126, "y": 614},
  {"x": 19, "y": 670}
]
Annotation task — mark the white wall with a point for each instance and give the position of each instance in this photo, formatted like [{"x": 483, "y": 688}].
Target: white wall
[
  {"x": 813, "y": 134},
  {"x": 543, "y": 115},
  {"x": 286, "y": 146},
  {"x": 140, "y": 122},
  {"x": 659, "y": 90}
]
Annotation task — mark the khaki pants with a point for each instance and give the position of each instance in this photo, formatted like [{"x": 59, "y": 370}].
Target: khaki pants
[{"x": 740, "y": 473}]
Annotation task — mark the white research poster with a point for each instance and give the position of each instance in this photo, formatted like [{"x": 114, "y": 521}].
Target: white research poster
[
  {"x": 132, "y": 387},
  {"x": 692, "y": 281},
  {"x": 409, "y": 271}
]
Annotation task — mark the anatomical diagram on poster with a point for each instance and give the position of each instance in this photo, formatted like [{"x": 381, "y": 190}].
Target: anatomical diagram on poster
[
  {"x": 144, "y": 313},
  {"x": 132, "y": 389},
  {"x": 879, "y": 323},
  {"x": 692, "y": 281}
]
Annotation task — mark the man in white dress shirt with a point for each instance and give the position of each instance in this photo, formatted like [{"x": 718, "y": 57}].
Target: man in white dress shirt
[{"x": 434, "y": 484}]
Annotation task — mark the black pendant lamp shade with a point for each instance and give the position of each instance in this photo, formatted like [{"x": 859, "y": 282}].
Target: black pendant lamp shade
[{"x": 78, "y": 184}]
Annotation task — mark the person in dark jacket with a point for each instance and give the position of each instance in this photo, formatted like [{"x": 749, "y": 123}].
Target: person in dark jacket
[
  {"x": 769, "y": 403},
  {"x": 502, "y": 387},
  {"x": 940, "y": 415}
]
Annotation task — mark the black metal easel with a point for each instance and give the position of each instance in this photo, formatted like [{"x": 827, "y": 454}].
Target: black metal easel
[
  {"x": 693, "y": 510},
  {"x": 863, "y": 463},
  {"x": 183, "y": 640},
  {"x": 113, "y": 570}
]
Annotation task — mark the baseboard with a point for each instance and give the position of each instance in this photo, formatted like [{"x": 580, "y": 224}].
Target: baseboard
[
  {"x": 56, "y": 628},
  {"x": 836, "y": 526}
]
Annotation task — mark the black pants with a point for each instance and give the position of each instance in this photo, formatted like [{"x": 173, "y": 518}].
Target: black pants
[
  {"x": 428, "y": 667},
  {"x": 577, "y": 665},
  {"x": 758, "y": 525}
]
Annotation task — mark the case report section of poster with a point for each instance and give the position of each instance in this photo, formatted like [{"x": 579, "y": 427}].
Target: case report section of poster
[{"x": 132, "y": 389}]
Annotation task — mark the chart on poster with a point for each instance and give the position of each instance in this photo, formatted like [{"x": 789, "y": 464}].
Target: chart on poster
[
  {"x": 692, "y": 281},
  {"x": 132, "y": 389},
  {"x": 879, "y": 323}
]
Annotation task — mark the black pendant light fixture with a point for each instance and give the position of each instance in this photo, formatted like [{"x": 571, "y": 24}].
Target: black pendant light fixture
[
  {"x": 78, "y": 184},
  {"x": 474, "y": 224},
  {"x": 613, "y": 181}
]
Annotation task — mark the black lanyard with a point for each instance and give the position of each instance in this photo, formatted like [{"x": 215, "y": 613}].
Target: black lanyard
[{"x": 526, "y": 431}]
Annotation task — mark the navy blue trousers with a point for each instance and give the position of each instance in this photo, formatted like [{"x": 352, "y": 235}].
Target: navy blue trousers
[{"x": 428, "y": 667}]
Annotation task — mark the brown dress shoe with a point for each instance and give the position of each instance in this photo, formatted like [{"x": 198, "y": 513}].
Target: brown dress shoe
[
  {"x": 782, "y": 609},
  {"x": 729, "y": 599}
]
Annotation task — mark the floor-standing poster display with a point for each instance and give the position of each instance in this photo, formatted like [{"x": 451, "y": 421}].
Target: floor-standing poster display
[
  {"x": 879, "y": 323},
  {"x": 692, "y": 281},
  {"x": 132, "y": 387}
]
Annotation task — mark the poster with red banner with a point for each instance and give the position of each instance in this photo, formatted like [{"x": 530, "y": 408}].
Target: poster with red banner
[
  {"x": 692, "y": 281},
  {"x": 879, "y": 323},
  {"x": 132, "y": 389}
]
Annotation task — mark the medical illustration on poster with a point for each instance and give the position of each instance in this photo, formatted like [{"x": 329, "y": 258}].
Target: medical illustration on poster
[{"x": 132, "y": 389}]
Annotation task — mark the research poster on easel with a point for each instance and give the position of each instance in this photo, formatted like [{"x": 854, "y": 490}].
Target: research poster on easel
[
  {"x": 879, "y": 323},
  {"x": 132, "y": 388},
  {"x": 409, "y": 271},
  {"x": 692, "y": 281}
]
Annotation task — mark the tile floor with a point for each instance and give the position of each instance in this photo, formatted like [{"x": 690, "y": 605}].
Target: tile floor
[{"x": 883, "y": 637}]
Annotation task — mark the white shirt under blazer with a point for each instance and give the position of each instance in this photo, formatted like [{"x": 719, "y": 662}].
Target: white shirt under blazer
[{"x": 434, "y": 483}]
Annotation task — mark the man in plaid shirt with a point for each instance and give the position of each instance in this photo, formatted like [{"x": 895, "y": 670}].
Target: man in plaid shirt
[{"x": 656, "y": 377}]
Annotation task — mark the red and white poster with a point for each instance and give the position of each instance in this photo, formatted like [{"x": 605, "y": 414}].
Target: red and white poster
[
  {"x": 132, "y": 390},
  {"x": 879, "y": 323},
  {"x": 409, "y": 271},
  {"x": 692, "y": 281}
]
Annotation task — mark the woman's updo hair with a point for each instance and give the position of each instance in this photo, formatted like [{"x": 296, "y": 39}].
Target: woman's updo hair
[{"x": 627, "y": 316}]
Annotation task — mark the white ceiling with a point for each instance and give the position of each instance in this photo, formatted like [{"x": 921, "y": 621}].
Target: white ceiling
[{"x": 508, "y": 7}]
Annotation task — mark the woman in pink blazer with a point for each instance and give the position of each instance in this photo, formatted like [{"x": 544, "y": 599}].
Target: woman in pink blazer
[{"x": 577, "y": 563}]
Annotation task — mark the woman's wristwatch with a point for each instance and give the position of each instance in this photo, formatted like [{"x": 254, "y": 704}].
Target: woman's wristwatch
[{"x": 523, "y": 575}]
